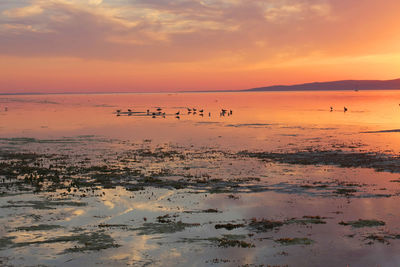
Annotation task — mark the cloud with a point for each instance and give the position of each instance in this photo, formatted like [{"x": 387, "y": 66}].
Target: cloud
[
  {"x": 23, "y": 11},
  {"x": 197, "y": 30}
]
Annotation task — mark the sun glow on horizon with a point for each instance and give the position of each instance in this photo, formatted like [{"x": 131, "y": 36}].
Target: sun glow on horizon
[{"x": 71, "y": 46}]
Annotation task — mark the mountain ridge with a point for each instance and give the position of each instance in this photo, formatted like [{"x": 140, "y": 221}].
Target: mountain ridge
[{"x": 333, "y": 85}]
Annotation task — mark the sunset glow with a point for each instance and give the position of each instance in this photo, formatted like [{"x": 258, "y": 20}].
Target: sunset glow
[
  {"x": 199, "y": 133},
  {"x": 154, "y": 45}
]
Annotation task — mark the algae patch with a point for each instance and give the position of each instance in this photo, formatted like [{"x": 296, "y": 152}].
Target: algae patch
[
  {"x": 295, "y": 241},
  {"x": 225, "y": 243},
  {"x": 264, "y": 224},
  {"x": 229, "y": 226},
  {"x": 164, "y": 228},
  {"x": 377, "y": 161},
  {"x": 6, "y": 241},
  {"x": 307, "y": 220},
  {"x": 47, "y": 204},
  {"x": 363, "y": 223},
  {"x": 85, "y": 242},
  {"x": 40, "y": 227}
]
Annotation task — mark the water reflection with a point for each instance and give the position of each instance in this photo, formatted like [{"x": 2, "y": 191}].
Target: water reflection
[
  {"x": 258, "y": 119},
  {"x": 83, "y": 185}
]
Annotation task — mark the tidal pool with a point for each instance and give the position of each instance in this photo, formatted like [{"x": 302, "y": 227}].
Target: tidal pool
[{"x": 280, "y": 181}]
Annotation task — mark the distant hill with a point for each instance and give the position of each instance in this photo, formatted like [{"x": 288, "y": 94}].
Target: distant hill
[{"x": 335, "y": 85}]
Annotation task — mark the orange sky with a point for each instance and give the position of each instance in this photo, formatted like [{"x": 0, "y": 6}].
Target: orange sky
[{"x": 159, "y": 45}]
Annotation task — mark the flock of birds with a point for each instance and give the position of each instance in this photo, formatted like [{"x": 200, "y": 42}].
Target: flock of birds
[
  {"x": 161, "y": 113},
  {"x": 344, "y": 109},
  {"x": 190, "y": 111}
]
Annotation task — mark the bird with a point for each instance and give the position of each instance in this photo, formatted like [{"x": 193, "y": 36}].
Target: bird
[
  {"x": 194, "y": 109},
  {"x": 178, "y": 117},
  {"x": 345, "y": 109},
  {"x": 230, "y": 111},
  {"x": 129, "y": 110},
  {"x": 148, "y": 112},
  {"x": 331, "y": 109},
  {"x": 209, "y": 114},
  {"x": 177, "y": 113},
  {"x": 118, "y": 110},
  {"x": 201, "y": 110},
  {"x": 189, "y": 110},
  {"x": 159, "y": 109}
]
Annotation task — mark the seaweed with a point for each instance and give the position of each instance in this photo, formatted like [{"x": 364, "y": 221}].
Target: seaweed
[
  {"x": 377, "y": 161},
  {"x": 6, "y": 241},
  {"x": 294, "y": 241},
  {"x": 225, "y": 243},
  {"x": 264, "y": 224},
  {"x": 307, "y": 220},
  {"x": 40, "y": 227},
  {"x": 229, "y": 226},
  {"x": 363, "y": 223},
  {"x": 87, "y": 241},
  {"x": 164, "y": 228},
  {"x": 46, "y": 204}
]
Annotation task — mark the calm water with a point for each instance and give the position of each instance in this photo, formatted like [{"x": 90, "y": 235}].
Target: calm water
[
  {"x": 261, "y": 120},
  {"x": 138, "y": 190}
]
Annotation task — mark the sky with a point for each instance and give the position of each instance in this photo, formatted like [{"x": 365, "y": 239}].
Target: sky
[{"x": 160, "y": 45}]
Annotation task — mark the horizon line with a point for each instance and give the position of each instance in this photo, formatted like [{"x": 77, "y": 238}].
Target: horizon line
[{"x": 205, "y": 91}]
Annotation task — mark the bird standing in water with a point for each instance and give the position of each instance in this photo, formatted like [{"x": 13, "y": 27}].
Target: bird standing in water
[{"x": 344, "y": 109}]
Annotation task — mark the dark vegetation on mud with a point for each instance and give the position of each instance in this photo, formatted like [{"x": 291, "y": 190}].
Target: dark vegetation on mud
[
  {"x": 363, "y": 223},
  {"x": 48, "y": 172},
  {"x": 79, "y": 177},
  {"x": 83, "y": 242},
  {"x": 377, "y": 161}
]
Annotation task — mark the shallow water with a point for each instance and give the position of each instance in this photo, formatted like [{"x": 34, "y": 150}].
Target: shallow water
[{"x": 281, "y": 181}]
